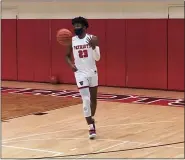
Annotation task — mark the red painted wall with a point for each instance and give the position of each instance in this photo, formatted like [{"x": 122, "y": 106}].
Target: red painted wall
[
  {"x": 9, "y": 54},
  {"x": 134, "y": 53},
  {"x": 59, "y": 67},
  {"x": 33, "y": 47},
  {"x": 115, "y": 52},
  {"x": 176, "y": 54},
  {"x": 146, "y": 53}
]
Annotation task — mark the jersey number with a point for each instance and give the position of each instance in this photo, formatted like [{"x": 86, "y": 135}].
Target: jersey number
[{"x": 83, "y": 53}]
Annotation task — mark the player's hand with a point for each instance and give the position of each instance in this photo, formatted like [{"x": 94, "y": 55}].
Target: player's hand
[
  {"x": 74, "y": 68},
  {"x": 93, "y": 42}
]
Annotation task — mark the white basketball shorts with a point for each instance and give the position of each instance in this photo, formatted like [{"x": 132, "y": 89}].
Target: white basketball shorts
[{"x": 84, "y": 81}]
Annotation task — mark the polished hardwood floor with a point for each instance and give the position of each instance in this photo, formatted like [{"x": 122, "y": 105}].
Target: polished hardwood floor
[{"x": 63, "y": 132}]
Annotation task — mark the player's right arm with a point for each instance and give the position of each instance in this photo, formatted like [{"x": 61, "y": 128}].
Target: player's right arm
[
  {"x": 69, "y": 58},
  {"x": 93, "y": 42}
]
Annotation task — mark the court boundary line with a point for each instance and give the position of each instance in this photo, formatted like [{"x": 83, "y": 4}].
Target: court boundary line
[
  {"x": 179, "y": 156},
  {"x": 66, "y": 119},
  {"x": 32, "y": 149},
  {"x": 38, "y": 134},
  {"x": 57, "y": 154},
  {"x": 121, "y": 150},
  {"x": 81, "y": 138},
  {"x": 157, "y": 145},
  {"x": 103, "y": 149}
]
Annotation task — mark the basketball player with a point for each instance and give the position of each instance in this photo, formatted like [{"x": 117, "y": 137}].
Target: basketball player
[{"x": 86, "y": 52}]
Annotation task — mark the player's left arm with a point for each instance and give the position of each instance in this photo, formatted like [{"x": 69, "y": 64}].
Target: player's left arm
[{"x": 93, "y": 42}]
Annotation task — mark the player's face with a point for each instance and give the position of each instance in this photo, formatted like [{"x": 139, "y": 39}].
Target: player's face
[
  {"x": 78, "y": 25},
  {"x": 79, "y": 29}
]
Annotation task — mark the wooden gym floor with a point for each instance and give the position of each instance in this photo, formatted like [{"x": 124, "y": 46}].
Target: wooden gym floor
[{"x": 48, "y": 126}]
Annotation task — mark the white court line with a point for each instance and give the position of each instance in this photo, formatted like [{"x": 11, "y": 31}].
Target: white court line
[
  {"x": 68, "y": 120},
  {"x": 33, "y": 149},
  {"x": 59, "y": 131},
  {"x": 179, "y": 156},
  {"x": 113, "y": 140},
  {"x": 112, "y": 147},
  {"x": 57, "y": 154},
  {"x": 64, "y": 120},
  {"x": 101, "y": 150}
]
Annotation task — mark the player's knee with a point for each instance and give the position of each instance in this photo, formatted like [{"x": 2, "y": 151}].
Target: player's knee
[{"x": 86, "y": 99}]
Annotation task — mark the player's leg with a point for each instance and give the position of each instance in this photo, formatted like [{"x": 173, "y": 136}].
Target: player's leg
[
  {"x": 85, "y": 94},
  {"x": 93, "y": 94},
  {"x": 83, "y": 86},
  {"x": 93, "y": 88}
]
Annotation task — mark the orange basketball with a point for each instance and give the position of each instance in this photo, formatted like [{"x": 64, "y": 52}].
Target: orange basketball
[{"x": 64, "y": 37}]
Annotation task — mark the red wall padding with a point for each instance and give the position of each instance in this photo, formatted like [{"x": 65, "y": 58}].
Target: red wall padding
[
  {"x": 115, "y": 52},
  {"x": 176, "y": 54},
  {"x": 146, "y": 53},
  {"x": 9, "y": 55},
  {"x": 34, "y": 51},
  {"x": 59, "y": 66},
  {"x": 133, "y": 52}
]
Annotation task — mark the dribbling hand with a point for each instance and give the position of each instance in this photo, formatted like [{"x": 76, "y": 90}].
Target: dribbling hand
[{"x": 93, "y": 42}]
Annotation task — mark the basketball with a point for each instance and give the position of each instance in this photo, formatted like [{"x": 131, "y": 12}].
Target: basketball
[{"x": 64, "y": 37}]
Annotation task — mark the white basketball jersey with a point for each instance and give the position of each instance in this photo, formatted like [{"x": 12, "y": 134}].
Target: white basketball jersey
[{"x": 83, "y": 56}]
